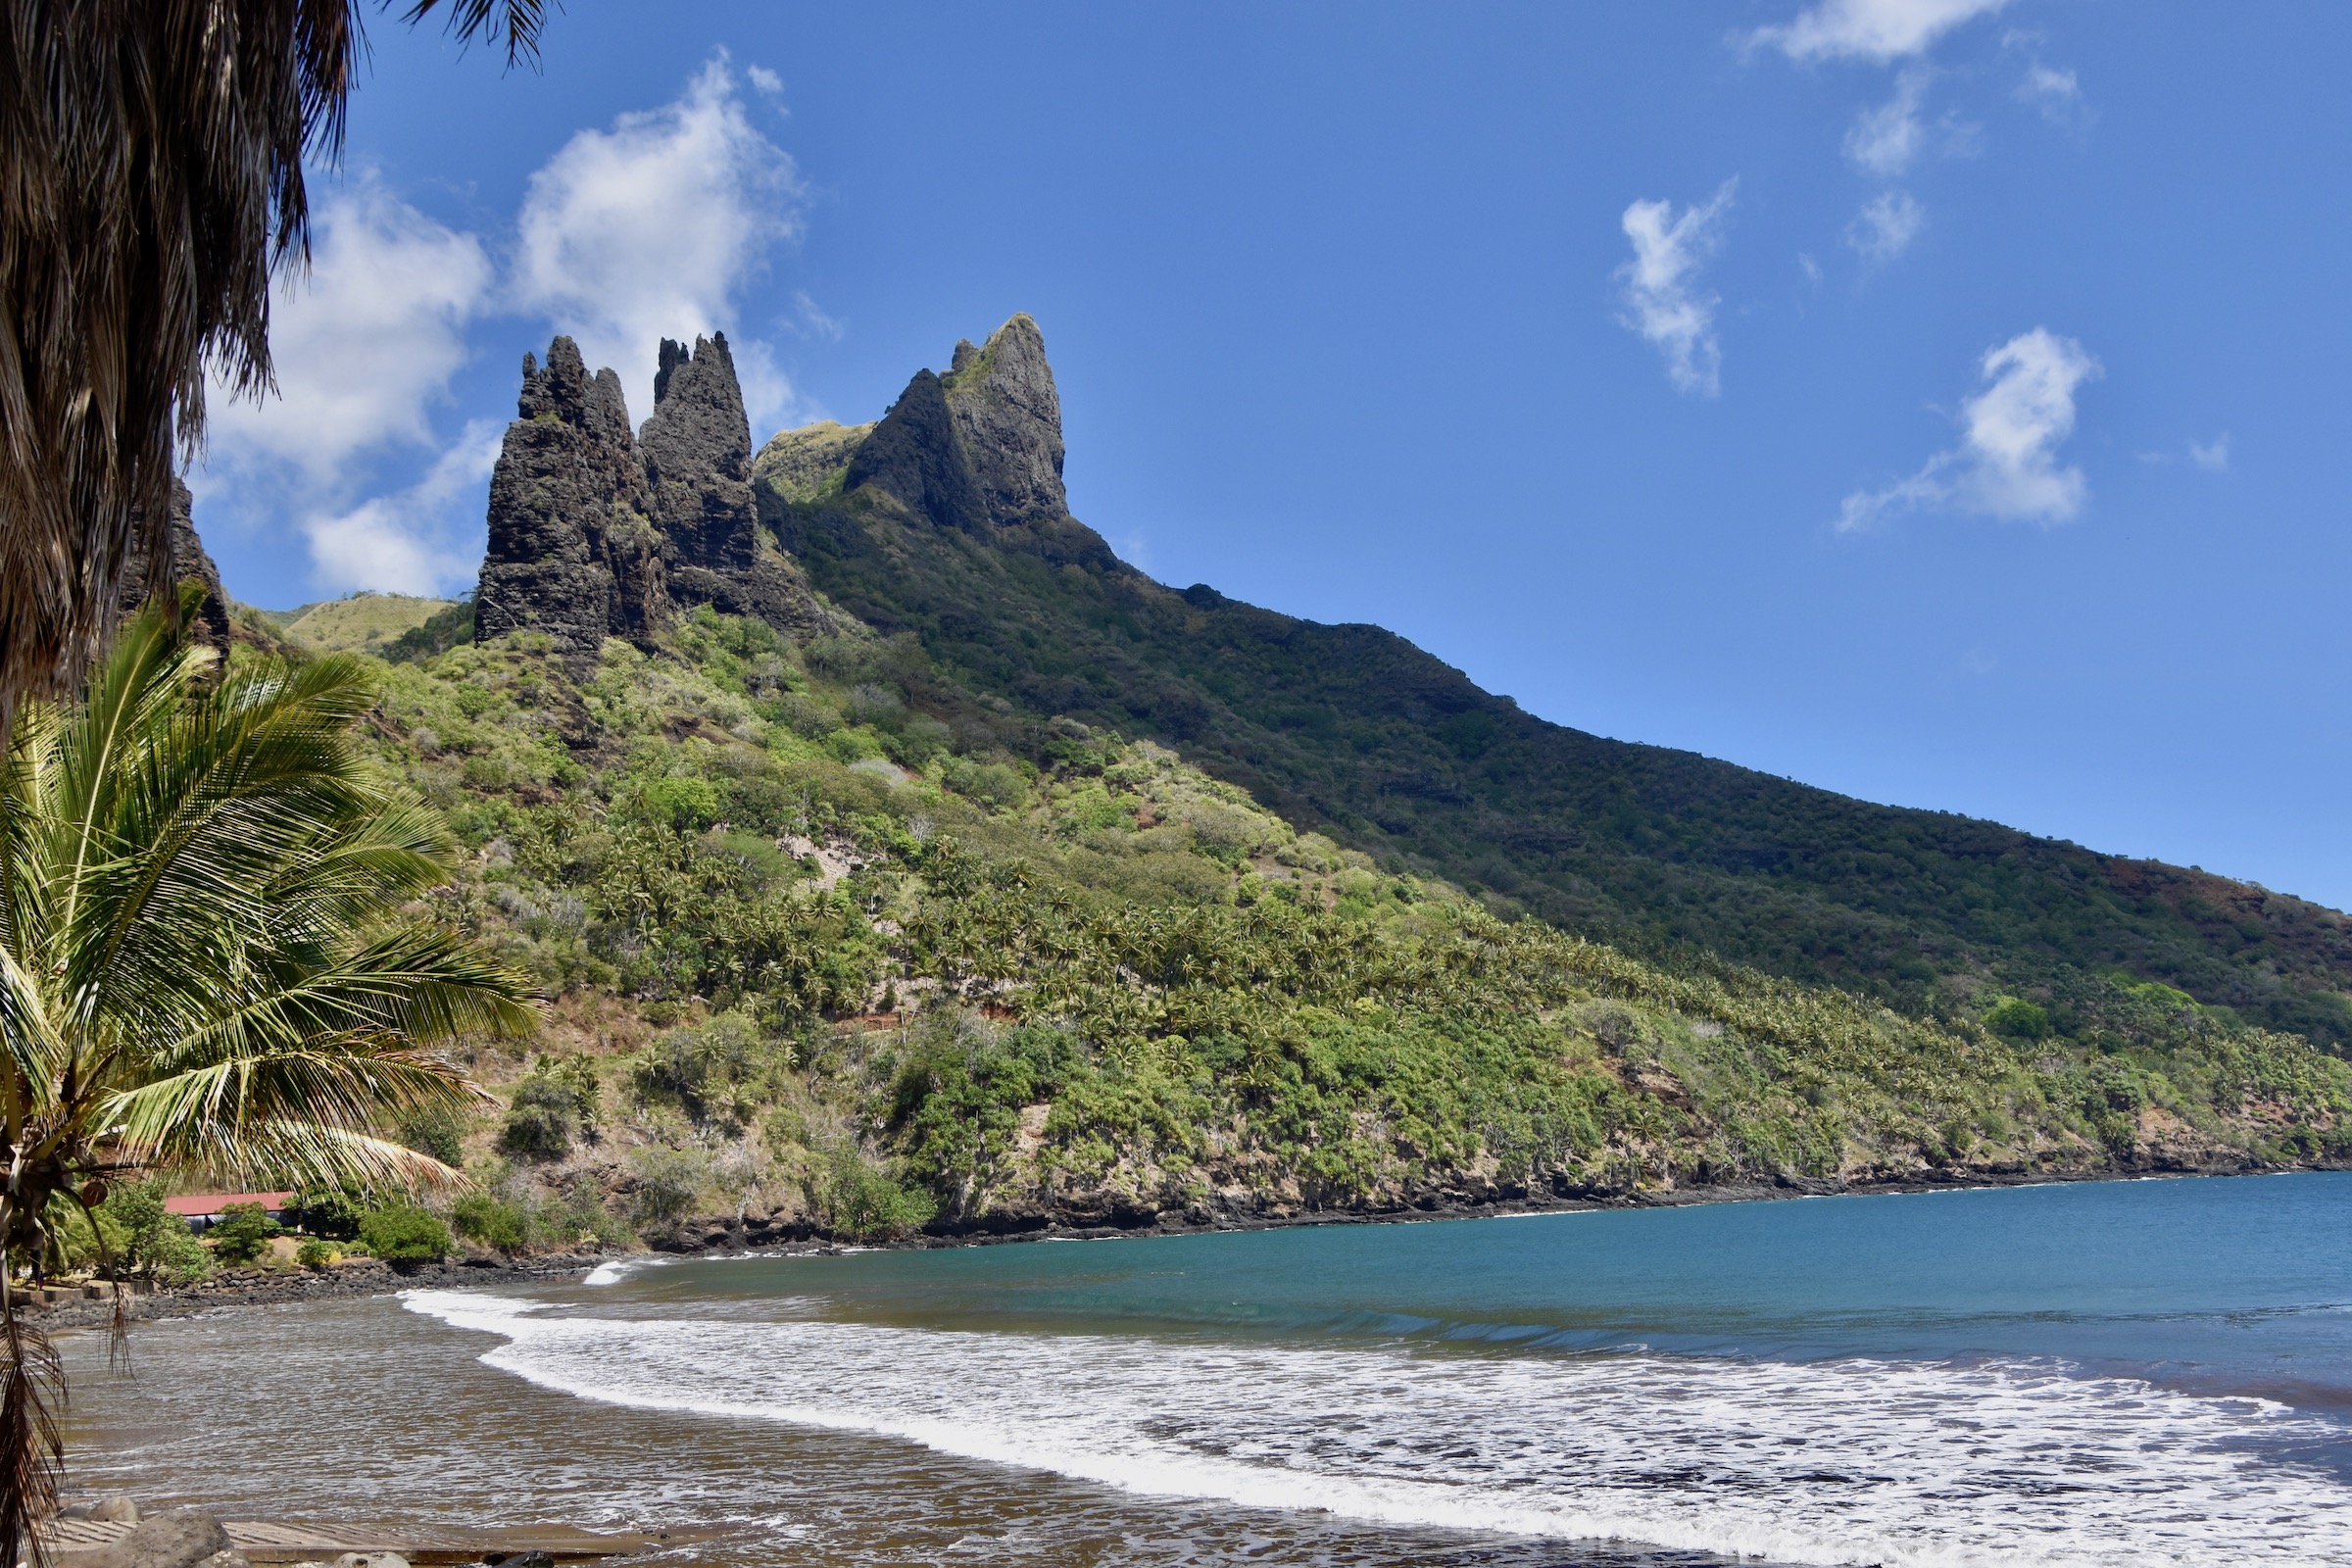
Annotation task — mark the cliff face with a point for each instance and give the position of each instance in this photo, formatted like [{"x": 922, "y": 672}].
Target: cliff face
[
  {"x": 979, "y": 448},
  {"x": 594, "y": 533},
  {"x": 189, "y": 562},
  {"x": 1009, "y": 417}
]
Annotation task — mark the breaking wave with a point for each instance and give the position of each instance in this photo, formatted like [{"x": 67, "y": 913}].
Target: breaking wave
[{"x": 1911, "y": 1463}]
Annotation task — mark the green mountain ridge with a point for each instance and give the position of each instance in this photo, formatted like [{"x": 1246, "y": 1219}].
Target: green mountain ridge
[
  {"x": 815, "y": 970},
  {"x": 1355, "y": 731}
]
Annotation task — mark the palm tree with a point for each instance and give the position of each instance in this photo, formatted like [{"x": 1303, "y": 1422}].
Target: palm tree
[
  {"x": 151, "y": 184},
  {"x": 213, "y": 961}
]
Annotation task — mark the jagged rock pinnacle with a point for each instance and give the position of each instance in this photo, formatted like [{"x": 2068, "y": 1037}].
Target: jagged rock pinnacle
[
  {"x": 573, "y": 551},
  {"x": 596, "y": 533},
  {"x": 1010, "y": 418},
  {"x": 697, "y": 454}
]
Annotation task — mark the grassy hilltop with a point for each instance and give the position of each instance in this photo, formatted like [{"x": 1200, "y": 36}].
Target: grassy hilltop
[{"x": 838, "y": 939}]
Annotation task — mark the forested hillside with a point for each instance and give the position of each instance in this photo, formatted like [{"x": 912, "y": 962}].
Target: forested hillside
[
  {"x": 815, "y": 968},
  {"x": 1355, "y": 731}
]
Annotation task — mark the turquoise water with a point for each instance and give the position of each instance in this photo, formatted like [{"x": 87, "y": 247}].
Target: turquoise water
[{"x": 2129, "y": 1372}]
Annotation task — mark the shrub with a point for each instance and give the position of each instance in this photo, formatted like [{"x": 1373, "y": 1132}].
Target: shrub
[
  {"x": 866, "y": 1205},
  {"x": 157, "y": 1241},
  {"x": 480, "y": 1217},
  {"x": 438, "y": 1133},
  {"x": 243, "y": 1232},
  {"x": 316, "y": 1253},
  {"x": 544, "y": 1116},
  {"x": 2019, "y": 1019},
  {"x": 668, "y": 1181},
  {"x": 404, "y": 1235}
]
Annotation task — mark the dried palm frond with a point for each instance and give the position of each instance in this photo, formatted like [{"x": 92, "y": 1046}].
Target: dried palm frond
[{"x": 151, "y": 184}]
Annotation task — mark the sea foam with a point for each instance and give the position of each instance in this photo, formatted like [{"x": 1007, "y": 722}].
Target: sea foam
[{"x": 1917, "y": 1464}]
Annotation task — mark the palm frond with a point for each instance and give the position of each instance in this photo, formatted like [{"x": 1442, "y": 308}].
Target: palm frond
[
  {"x": 32, "y": 1452},
  {"x": 416, "y": 983},
  {"x": 517, "y": 22}
]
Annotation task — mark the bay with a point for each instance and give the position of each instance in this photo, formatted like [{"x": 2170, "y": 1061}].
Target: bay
[{"x": 2142, "y": 1372}]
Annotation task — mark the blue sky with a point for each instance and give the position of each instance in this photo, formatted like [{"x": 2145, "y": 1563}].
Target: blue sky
[{"x": 1941, "y": 401}]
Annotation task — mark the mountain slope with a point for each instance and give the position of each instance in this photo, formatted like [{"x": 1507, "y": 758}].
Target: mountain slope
[
  {"x": 1355, "y": 730},
  {"x": 815, "y": 971}
]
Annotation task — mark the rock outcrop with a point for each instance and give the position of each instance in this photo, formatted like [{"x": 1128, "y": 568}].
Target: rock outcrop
[
  {"x": 596, "y": 533},
  {"x": 190, "y": 562},
  {"x": 698, "y": 458},
  {"x": 1009, "y": 417},
  {"x": 916, "y": 456},
  {"x": 978, "y": 448},
  {"x": 573, "y": 549}
]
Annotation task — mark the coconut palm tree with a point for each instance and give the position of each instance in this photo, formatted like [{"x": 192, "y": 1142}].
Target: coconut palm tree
[
  {"x": 151, "y": 184},
  {"x": 214, "y": 960}
]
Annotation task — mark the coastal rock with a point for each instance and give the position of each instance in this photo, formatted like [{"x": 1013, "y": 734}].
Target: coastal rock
[
  {"x": 176, "y": 1539},
  {"x": 573, "y": 549},
  {"x": 231, "y": 1558},
  {"x": 1008, "y": 415},
  {"x": 190, "y": 562},
  {"x": 916, "y": 456}
]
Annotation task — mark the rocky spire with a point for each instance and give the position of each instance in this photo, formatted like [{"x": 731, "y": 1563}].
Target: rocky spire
[
  {"x": 1010, "y": 418},
  {"x": 698, "y": 456},
  {"x": 573, "y": 551},
  {"x": 594, "y": 533},
  {"x": 917, "y": 454}
]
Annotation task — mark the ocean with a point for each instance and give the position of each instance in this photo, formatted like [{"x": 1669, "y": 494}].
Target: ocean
[{"x": 2139, "y": 1373}]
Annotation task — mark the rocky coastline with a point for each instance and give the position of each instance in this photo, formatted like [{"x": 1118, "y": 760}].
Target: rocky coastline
[{"x": 723, "y": 1237}]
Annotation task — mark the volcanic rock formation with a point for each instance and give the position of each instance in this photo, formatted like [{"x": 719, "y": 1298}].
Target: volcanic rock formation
[
  {"x": 978, "y": 447},
  {"x": 1009, "y": 417},
  {"x": 596, "y": 534}
]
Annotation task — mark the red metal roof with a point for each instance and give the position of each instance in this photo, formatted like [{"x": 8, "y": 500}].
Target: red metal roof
[{"x": 205, "y": 1204}]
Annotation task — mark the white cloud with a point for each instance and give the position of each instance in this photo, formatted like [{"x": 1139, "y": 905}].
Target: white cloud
[
  {"x": 1870, "y": 29},
  {"x": 652, "y": 229},
  {"x": 404, "y": 543},
  {"x": 766, "y": 80},
  {"x": 2006, "y": 464},
  {"x": 1661, "y": 300},
  {"x": 1886, "y": 226},
  {"x": 815, "y": 321},
  {"x": 364, "y": 345},
  {"x": 2211, "y": 456},
  {"x": 1885, "y": 139}
]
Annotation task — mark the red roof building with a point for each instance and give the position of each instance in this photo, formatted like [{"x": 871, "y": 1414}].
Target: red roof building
[{"x": 202, "y": 1209}]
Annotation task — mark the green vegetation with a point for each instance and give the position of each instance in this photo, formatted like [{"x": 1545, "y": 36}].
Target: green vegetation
[
  {"x": 1354, "y": 732},
  {"x": 819, "y": 958},
  {"x": 243, "y": 1232},
  {"x": 403, "y": 1234},
  {"x": 361, "y": 622}
]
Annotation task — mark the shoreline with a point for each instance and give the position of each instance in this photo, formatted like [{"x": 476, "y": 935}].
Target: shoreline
[{"x": 364, "y": 1278}]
